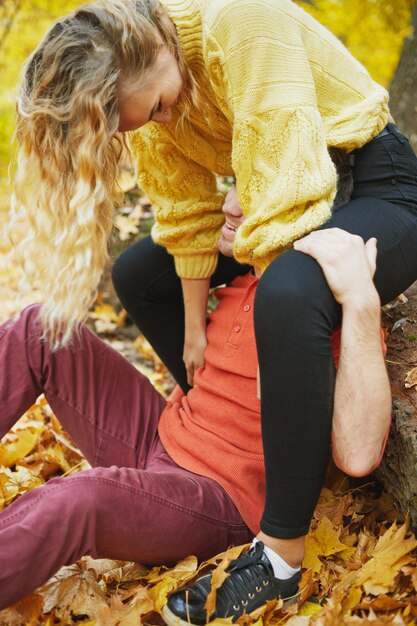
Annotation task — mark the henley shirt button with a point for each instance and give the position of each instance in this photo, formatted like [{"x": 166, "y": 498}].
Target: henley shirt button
[
  {"x": 246, "y": 307},
  {"x": 237, "y": 328}
]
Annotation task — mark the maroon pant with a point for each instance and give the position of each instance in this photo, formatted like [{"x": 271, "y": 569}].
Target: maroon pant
[{"x": 136, "y": 504}]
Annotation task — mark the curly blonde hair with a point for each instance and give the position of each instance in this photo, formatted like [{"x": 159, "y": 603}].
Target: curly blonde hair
[{"x": 69, "y": 148}]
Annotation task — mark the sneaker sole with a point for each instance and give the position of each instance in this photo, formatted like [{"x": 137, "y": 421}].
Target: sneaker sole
[{"x": 173, "y": 620}]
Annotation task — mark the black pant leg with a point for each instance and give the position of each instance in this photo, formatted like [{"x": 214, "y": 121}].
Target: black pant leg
[
  {"x": 149, "y": 289},
  {"x": 295, "y": 314}
]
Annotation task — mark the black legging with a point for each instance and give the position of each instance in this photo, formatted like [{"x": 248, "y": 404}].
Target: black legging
[{"x": 295, "y": 314}]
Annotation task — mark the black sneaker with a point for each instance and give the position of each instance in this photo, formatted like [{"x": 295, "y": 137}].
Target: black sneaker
[{"x": 250, "y": 585}]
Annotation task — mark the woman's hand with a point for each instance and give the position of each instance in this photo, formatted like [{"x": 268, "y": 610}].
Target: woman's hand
[
  {"x": 195, "y": 343},
  {"x": 195, "y": 293},
  {"x": 347, "y": 262}
]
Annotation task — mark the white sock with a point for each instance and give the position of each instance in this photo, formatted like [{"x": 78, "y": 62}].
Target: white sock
[{"x": 282, "y": 570}]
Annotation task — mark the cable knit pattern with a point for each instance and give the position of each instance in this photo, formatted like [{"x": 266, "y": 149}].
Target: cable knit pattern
[{"x": 279, "y": 90}]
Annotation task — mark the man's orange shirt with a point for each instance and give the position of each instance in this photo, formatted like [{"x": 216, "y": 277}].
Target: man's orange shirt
[{"x": 215, "y": 430}]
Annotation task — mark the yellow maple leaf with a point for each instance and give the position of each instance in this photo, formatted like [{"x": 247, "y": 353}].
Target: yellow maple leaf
[
  {"x": 19, "y": 442},
  {"x": 183, "y": 571},
  {"x": 310, "y": 609},
  {"x": 13, "y": 483},
  {"x": 391, "y": 552},
  {"x": 352, "y": 599},
  {"x": 219, "y": 574},
  {"x": 159, "y": 593},
  {"x": 323, "y": 541}
]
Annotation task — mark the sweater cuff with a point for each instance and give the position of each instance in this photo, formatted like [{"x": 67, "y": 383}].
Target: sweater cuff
[{"x": 194, "y": 266}]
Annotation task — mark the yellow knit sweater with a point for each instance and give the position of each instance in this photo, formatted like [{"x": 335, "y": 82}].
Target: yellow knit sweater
[{"x": 278, "y": 90}]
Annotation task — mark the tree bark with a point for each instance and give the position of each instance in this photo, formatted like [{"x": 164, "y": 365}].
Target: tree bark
[
  {"x": 398, "y": 470},
  {"x": 403, "y": 90}
]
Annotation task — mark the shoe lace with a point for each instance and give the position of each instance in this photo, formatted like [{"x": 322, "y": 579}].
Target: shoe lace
[{"x": 244, "y": 579}]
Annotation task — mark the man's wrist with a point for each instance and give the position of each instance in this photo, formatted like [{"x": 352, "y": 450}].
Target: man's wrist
[
  {"x": 364, "y": 311},
  {"x": 362, "y": 300}
]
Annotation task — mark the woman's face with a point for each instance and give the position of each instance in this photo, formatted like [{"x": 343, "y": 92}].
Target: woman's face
[{"x": 156, "y": 100}]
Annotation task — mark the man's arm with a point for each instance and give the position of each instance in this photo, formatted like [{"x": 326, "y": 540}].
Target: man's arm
[{"x": 362, "y": 402}]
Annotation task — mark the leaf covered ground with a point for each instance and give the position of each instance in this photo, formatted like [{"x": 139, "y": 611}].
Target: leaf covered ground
[{"x": 361, "y": 559}]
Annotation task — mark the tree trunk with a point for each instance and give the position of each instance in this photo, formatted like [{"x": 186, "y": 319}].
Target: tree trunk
[
  {"x": 403, "y": 90},
  {"x": 398, "y": 470}
]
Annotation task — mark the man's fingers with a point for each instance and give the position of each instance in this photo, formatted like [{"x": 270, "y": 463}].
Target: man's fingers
[{"x": 371, "y": 252}]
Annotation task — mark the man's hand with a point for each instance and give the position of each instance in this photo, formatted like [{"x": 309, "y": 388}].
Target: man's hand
[
  {"x": 347, "y": 262},
  {"x": 362, "y": 399}
]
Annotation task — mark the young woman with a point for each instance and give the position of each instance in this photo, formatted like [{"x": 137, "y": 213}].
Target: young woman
[{"x": 258, "y": 90}]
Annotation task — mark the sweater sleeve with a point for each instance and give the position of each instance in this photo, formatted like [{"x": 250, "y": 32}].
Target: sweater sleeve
[
  {"x": 184, "y": 194},
  {"x": 275, "y": 64}
]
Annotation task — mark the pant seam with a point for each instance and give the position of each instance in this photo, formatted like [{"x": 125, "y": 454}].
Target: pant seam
[
  {"x": 141, "y": 492},
  {"x": 90, "y": 421}
]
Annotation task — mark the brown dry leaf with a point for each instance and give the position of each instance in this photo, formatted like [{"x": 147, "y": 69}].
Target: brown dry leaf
[
  {"x": 364, "y": 547},
  {"x": 119, "y": 614},
  {"x": 100, "y": 566},
  {"x": 411, "y": 378},
  {"x": 114, "y": 571},
  {"x": 127, "y": 573},
  {"x": 323, "y": 541},
  {"x": 333, "y": 507},
  {"x": 71, "y": 592},
  {"x": 26, "y": 612},
  {"x": 383, "y": 604}
]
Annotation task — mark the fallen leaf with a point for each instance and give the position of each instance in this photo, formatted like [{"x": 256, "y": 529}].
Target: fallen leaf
[
  {"x": 19, "y": 442},
  {"x": 390, "y": 554},
  {"x": 352, "y": 599},
  {"x": 382, "y": 603},
  {"x": 119, "y": 614},
  {"x": 14, "y": 483},
  {"x": 159, "y": 593},
  {"x": 73, "y": 592},
  {"x": 322, "y": 541},
  {"x": 26, "y": 612},
  {"x": 411, "y": 378},
  {"x": 219, "y": 574}
]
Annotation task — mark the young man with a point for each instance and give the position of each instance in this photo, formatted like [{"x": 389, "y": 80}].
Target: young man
[{"x": 184, "y": 476}]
